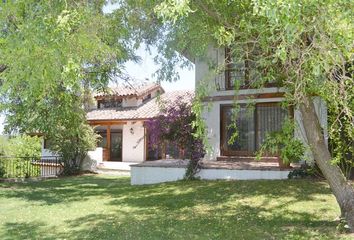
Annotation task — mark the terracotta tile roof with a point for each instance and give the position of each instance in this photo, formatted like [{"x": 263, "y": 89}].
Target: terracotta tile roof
[
  {"x": 130, "y": 90},
  {"x": 147, "y": 110}
]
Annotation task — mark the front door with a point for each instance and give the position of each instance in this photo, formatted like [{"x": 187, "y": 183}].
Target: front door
[{"x": 116, "y": 146}]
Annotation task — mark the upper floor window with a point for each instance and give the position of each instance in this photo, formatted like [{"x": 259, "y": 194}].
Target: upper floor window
[
  {"x": 241, "y": 71},
  {"x": 147, "y": 98},
  {"x": 238, "y": 71},
  {"x": 109, "y": 103}
]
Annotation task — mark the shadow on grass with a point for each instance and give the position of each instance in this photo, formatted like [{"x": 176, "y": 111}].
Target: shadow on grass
[
  {"x": 181, "y": 210},
  {"x": 15, "y": 230},
  {"x": 199, "y": 226},
  {"x": 72, "y": 189}
]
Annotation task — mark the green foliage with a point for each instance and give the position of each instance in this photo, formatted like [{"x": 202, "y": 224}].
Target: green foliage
[
  {"x": 25, "y": 146},
  {"x": 54, "y": 53},
  {"x": 306, "y": 171},
  {"x": 284, "y": 144},
  {"x": 16, "y": 156},
  {"x": 4, "y": 144},
  {"x": 72, "y": 146},
  {"x": 20, "y": 146},
  {"x": 298, "y": 173}
]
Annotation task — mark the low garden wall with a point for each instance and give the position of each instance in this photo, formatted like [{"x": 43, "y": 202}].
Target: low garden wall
[{"x": 174, "y": 170}]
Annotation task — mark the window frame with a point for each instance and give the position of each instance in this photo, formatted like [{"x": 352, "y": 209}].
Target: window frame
[{"x": 223, "y": 134}]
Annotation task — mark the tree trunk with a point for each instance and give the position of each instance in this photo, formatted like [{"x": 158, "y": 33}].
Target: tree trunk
[{"x": 341, "y": 188}]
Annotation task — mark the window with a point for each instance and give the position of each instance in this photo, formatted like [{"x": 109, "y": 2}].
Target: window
[
  {"x": 240, "y": 69},
  {"x": 109, "y": 103},
  {"x": 253, "y": 124},
  {"x": 147, "y": 98},
  {"x": 172, "y": 150}
]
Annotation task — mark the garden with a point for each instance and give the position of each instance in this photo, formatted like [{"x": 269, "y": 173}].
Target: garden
[{"x": 107, "y": 207}]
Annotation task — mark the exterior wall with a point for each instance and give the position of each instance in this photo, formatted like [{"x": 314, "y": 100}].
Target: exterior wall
[
  {"x": 92, "y": 160},
  {"x": 152, "y": 175},
  {"x": 206, "y": 75},
  {"x": 131, "y": 102},
  {"x": 134, "y": 143}
]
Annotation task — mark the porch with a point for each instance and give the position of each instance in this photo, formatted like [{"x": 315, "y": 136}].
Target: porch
[
  {"x": 174, "y": 170},
  {"x": 120, "y": 141}
]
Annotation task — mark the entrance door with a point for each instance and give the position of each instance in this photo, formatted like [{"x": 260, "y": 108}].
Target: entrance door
[
  {"x": 252, "y": 125},
  {"x": 116, "y": 146}
]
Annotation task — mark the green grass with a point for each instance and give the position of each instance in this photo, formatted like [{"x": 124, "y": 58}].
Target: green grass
[{"x": 103, "y": 207}]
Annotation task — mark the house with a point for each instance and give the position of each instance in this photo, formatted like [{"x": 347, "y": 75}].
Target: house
[
  {"x": 119, "y": 116},
  {"x": 259, "y": 113}
]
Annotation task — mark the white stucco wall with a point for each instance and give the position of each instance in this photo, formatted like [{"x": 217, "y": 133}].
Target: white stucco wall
[
  {"x": 131, "y": 102},
  {"x": 133, "y": 143},
  {"x": 152, "y": 175},
  {"x": 92, "y": 160},
  {"x": 206, "y": 69}
]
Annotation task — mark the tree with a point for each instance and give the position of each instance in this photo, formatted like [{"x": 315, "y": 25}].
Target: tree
[
  {"x": 51, "y": 54},
  {"x": 304, "y": 46},
  {"x": 20, "y": 146}
]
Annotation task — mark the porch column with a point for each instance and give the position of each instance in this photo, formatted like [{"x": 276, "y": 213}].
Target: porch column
[{"x": 109, "y": 142}]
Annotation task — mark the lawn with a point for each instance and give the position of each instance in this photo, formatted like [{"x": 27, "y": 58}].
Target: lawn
[{"x": 104, "y": 207}]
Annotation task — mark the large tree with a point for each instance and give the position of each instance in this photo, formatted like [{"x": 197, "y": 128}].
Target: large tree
[
  {"x": 52, "y": 54},
  {"x": 305, "y": 46}
]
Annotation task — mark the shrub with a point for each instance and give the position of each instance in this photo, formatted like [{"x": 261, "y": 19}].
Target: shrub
[
  {"x": 175, "y": 125},
  {"x": 283, "y": 143}
]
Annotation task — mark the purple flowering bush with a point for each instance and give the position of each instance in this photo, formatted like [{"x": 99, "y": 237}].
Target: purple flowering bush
[{"x": 174, "y": 125}]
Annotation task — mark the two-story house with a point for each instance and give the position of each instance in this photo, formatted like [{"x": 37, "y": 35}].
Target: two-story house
[{"x": 259, "y": 112}]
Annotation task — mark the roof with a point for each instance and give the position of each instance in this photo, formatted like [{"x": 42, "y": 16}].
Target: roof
[
  {"x": 147, "y": 110},
  {"x": 133, "y": 90}
]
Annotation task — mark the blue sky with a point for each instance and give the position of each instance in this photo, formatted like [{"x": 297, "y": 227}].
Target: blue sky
[{"x": 147, "y": 67}]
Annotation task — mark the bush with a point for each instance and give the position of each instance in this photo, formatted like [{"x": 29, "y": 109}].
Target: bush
[
  {"x": 19, "y": 152},
  {"x": 175, "y": 125},
  {"x": 306, "y": 171},
  {"x": 283, "y": 143}
]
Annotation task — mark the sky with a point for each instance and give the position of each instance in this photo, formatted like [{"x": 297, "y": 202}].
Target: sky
[{"x": 145, "y": 69}]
